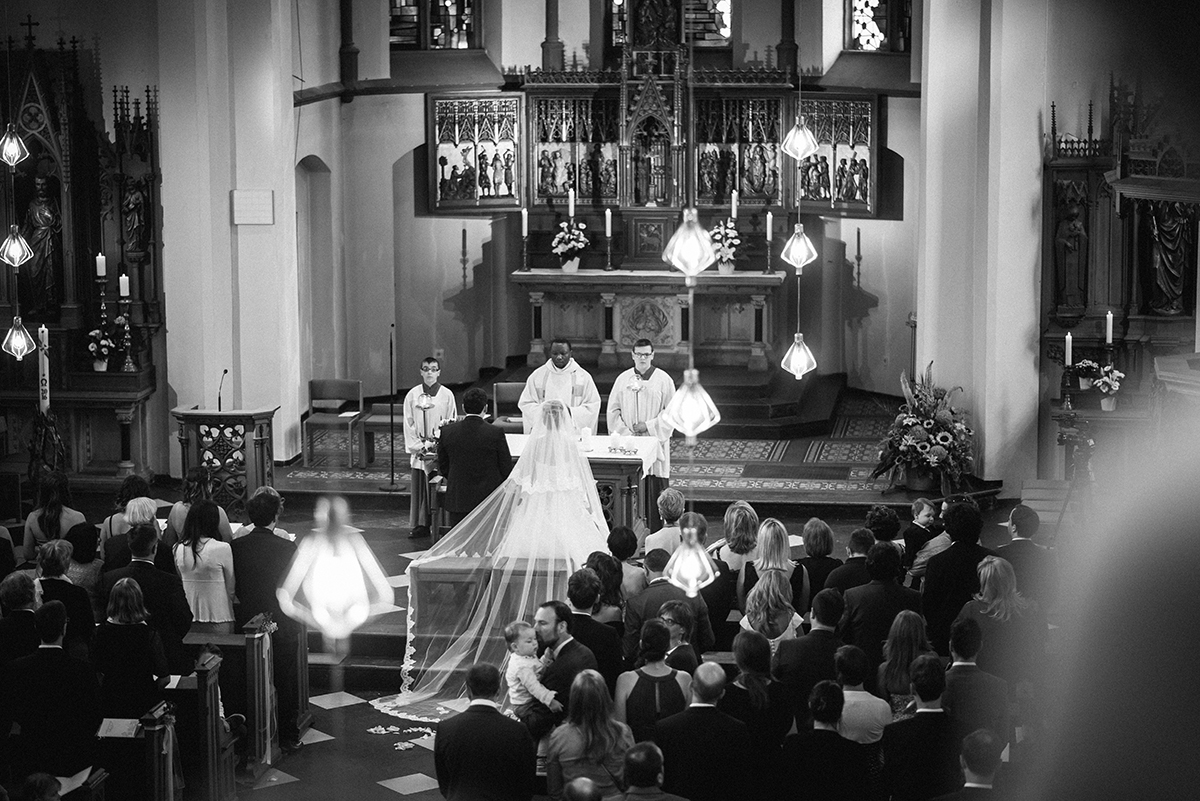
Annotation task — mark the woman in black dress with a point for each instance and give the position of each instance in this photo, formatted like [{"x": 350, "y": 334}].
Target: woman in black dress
[
  {"x": 818, "y": 544},
  {"x": 653, "y": 691},
  {"x": 129, "y": 655},
  {"x": 762, "y": 704}
]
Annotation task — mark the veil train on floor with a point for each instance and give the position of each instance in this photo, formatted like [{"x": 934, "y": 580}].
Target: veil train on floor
[{"x": 508, "y": 556}]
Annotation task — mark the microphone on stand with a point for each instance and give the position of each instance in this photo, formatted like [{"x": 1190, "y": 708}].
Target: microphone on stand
[{"x": 220, "y": 386}]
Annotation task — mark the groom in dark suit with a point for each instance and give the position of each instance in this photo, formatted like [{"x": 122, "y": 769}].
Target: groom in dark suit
[
  {"x": 473, "y": 457},
  {"x": 569, "y": 657},
  {"x": 481, "y": 755}
]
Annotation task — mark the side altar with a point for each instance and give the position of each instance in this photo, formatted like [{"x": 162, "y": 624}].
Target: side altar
[{"x": 604, "y": 312}]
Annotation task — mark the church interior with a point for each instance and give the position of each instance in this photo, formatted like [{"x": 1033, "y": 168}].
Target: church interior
[{"x": 238, "y": 230}]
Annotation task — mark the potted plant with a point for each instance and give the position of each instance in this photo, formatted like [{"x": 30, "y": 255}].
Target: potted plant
[
  {"x": 99, "y": 346},
  {"x": 929, "y": 440},
  {"x": 1087, "y": 371},
  {"x": 1109, "y": 383},
  {"x": 569, "y": 243},
  {"x": 725, "y": 240}
]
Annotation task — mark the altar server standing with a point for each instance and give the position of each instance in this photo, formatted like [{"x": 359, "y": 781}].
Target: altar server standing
[
  {"x": 426, "y": 407},
  {"x": 635, "y": 406},
  {"x": 562, "y": 379}
]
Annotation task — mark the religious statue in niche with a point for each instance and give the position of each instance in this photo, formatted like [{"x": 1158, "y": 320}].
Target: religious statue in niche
[
  {"x": 133, "y": 210},
  {"x": 651, "y": 163},
  {"x": 43, "y": 232},
  {"x": 1070, "y": 255},
  {"x": 1171, "y": 226},
  {"x": 839, "y": 177},
  {"x": 475, "y": 158}
]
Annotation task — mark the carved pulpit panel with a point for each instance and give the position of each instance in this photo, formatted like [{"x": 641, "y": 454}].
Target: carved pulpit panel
[
  {"x": 476, "y": 160},
  {"x": 840, "y": 178}
]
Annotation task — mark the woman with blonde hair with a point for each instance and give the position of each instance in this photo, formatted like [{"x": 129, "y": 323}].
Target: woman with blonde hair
[
  {"x": 115, "y": 550},
  {"x": 769, "y": 609},
  {"x": 591, "y": 743},
  {"x": 907, "y": 639},
  {"x": 775, "y": 553},
  {"x": 1014, "y": 627}
]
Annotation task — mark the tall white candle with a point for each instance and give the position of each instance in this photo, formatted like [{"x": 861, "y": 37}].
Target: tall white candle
[
  {"x": 733, "y": 200},
  {"x": 1108, "y": 329},
  {"x": 101, "y": 265},
  {"x": 524, "y": 222},
  {"x": 43, "y": 370},
  {"x": 770, "y": 225},
  {"x": 1067, "y": 358},
  {"x": 608, "y": 223},
  {"x": 571, "y": 203},
  {"x": 123, "y": 283}
]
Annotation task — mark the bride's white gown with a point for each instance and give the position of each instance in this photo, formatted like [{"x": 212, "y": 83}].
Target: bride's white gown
[{"x": 514, "y": 552}]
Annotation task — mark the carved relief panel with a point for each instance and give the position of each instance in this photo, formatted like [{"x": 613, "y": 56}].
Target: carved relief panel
[
  {"x": 575, "y": 145},
  {"x": 475, "y": 158},
  {"x": 738, "y": 148},
  {"x": 651, "y": 317},
  {"x": 840, "y": 178}
]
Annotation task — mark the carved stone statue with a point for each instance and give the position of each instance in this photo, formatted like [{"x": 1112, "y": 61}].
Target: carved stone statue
[
  {"x": 43, "y": 232},
  {"x": 1171, "y": 236},
  {"x": 1070, "y": 258},
  {"x": 133, "y": 209}
]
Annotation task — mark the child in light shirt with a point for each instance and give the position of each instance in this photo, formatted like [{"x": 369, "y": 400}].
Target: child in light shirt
[{"x": 523, "y": 671}]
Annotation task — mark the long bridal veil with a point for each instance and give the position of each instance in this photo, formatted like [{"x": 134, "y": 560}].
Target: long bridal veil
[{"x": 511, "y": 554}]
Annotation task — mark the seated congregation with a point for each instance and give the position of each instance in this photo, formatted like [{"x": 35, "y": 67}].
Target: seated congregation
[
  {"x": 911, "y": 670},
  {"x": 100, "y": 621}
]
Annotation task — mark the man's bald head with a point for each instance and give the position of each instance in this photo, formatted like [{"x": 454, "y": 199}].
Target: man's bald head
[{"x": 708, "y": 683}]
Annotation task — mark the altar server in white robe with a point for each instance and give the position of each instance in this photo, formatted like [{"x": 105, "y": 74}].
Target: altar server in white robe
[
  {"x": 635, "y": 407},
  {"x": 422, "y": 426},
  {"x": 561, "y": 379}
]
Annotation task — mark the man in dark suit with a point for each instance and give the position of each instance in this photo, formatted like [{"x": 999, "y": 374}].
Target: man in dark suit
[
  {"x": 1034, "y": 565},
  {"x": 569, "y": 657},
  {"x": 854, "y": 572},
  {"x": 481, "y": 755},
  {"x": 644, "y": 774},
  {"x": 583, "y": 589},
  {"x": 260, "y": 563},
  {"x": 920, "y": 754},
  {"x": 18, "y": 632},
  {"x": 706, "y": 752},
  {"x": 473, "y": 457},
  {"x": 951, "y": 578},
  {"x": 646, "y": 604},
  {"x": 871, "y": 608},
  {"x": 980, "y": 760},
  {"x": 55, "y": 699},
  {"x": 973, "y": 698},
  {"x": 821, "y": 763},
  {"x": 162, "y": 592},
  {"x": 804, "y": 661}
]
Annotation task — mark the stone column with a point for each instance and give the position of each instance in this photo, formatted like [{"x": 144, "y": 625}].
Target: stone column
[
  {"x": 552, "y": 46},
  {"x": 608, "y": 337},
  {"x": 758, "y": 347},
  {"x": 537, "y": 345}
]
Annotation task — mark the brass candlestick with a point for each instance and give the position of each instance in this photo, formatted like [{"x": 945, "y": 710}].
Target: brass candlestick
[
  {"x": 130, "y": 365},
  {"x": 102, "y": 290},
  {"x": 608, "y": 260},
  {"x": 525, "y": 253}
]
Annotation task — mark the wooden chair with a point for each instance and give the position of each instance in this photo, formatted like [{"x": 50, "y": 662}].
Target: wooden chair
[
  {"x": 326, "y": 396},
  {"x": 505, "y": 395}
]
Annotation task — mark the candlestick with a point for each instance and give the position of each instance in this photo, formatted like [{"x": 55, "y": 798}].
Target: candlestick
[
  {"x": 571, "y": 203},
  {"x": 130, "y": 366},
  {"x": 733, "y": 201},
  {"x": 608, "y": 222},
  {"x": 1067, "y": 356},
  {"x": 123, "y": 283},
  {"x": 608, "y": 257},
  {"x": 524, "y": 222},
  {"x": 102, "y": 290},
  {"x": 43, "y": 370},
  {"x": 1108, "y": 329},
  {"x": 770, "y": 225},
  {"x": 101, "y": 265},
  {"x": 525, "y": 254},
  {"x": 858, "y": 251}
]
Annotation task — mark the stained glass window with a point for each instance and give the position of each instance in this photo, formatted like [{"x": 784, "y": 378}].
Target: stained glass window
[
  {"x": 879, "y": 25},
  {"x": 433, "y": 25}
]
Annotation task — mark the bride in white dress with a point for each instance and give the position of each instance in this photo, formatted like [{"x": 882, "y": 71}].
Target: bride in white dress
[{"x": 514, "y": 552}]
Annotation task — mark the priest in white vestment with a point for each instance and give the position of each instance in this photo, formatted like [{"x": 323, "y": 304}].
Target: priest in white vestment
[
  {"x": 635, "y": 407},
  {"x": 564, "y": 380}
]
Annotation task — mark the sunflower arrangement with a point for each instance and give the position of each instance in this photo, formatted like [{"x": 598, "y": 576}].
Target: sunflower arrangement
[{"x": 928, "y": 433}]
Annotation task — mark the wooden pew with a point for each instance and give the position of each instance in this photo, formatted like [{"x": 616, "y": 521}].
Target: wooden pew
[
  {"x": 206, "y": 749},
  {"x": 158, "y": 737}
]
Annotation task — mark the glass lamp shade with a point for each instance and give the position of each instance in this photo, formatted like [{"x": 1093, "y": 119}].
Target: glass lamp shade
[
  {"x": 691, "y": 410},
  {"x": 799, "y": 142},
  {"x": 689, "y": 568},
  {"x": 15, "y": 250},
  {"x": 425, "y": 401},
  {"x": 691, "y": 249},
  {"x": 799, "y": 249},
  {"x": 18, "y": 342},
  {"x": 334, "y": 583},
  {"x": 799, "y": 359},
  {"x": 12, "y": 149}
]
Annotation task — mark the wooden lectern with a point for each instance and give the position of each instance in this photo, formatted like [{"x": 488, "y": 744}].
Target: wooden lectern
[{"x": 236, "y": 448}]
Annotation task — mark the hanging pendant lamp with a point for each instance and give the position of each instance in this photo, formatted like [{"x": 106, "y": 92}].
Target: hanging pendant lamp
[
  {"x": 690, "y": 568},
  {"x": 799, "y": 359},
  {"x": 799, "y": 142},
  {"x": 691, "y": 409},
  {"x": 15, "y": 250},
  {"x": 690, "y": 250},
  {"x": 12, "y": 148},
  {"x": 799, "y": 249},
  {"x": 18, "y": 342}
]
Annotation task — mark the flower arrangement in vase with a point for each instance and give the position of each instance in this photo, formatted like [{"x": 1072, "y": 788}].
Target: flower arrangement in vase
[
  {"x": 569, "y": 243},
  {"x": 725, "y": 241},
  {"x": 1087, "y": 371},
  {"x": 929, "y": 435},
  {"x": 99, "y": 345},
  {"x": 1109, "y": 384}
]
